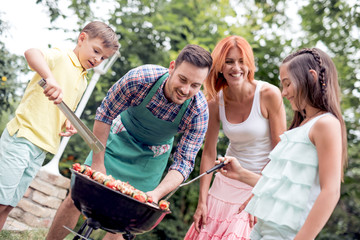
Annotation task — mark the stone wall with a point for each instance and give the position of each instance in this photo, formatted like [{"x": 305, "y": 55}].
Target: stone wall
[{"x": 38, "y": 206}]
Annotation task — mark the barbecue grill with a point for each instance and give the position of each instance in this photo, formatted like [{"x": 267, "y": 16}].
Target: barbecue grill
[
  {"x": 114, "y": 211},
  {"x": 111, "y": 210}
]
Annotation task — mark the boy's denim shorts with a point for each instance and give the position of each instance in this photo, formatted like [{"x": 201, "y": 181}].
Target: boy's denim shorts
[
  {"x": 20, "y": 160},
  {"x": 271, "y": 231}
]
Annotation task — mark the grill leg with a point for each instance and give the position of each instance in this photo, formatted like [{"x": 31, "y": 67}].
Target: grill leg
[
  {"x": 88, "y": 232},
  {"x": 128, "y": 236},
  {"x": 83, "y": 226}
]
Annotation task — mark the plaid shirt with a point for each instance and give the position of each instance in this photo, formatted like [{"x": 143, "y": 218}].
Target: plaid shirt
[{"x": 133, "y": 87}]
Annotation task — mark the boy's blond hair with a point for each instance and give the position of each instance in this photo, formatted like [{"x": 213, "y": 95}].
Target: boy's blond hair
[{"x": 97, "y": 29}]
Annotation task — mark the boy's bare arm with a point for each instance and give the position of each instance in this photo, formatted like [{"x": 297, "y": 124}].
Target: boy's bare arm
[{"x": 37, "y": 62}]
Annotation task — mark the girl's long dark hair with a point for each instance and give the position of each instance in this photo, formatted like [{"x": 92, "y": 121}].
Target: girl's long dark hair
[{"x": 323, "y": 94}]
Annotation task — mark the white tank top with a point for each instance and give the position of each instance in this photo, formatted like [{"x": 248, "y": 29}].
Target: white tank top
[{"x": 250, "y": 140}]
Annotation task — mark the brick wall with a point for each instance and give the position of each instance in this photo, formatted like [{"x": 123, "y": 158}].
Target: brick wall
[{"x": 38, "y": 206}]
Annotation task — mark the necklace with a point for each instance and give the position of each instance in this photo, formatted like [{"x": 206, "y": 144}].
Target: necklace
[{"x": 310, "y": 117}]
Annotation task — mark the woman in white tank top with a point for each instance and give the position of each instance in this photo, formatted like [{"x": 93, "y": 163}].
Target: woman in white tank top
[{"x": 253, "y": 117}]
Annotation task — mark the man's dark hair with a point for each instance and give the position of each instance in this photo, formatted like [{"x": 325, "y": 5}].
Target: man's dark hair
[{"x": 194, "y": 55}]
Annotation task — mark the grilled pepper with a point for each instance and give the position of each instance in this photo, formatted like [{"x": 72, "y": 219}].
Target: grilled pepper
[
  {"x": 164, "y": 205},
  {"x": 139, "y": 195},
  {"x": 76, "y": 167}
]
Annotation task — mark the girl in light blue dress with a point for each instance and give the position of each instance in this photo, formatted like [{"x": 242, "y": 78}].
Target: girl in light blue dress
[{"x": 300, "y": 187}]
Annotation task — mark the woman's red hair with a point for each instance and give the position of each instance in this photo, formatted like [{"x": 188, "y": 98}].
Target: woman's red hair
[{"x": 215, "y": 80}]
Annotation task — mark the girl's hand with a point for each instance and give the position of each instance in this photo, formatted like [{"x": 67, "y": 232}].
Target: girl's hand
[
  {"x": 232, "y": 169},
  {"x": 69, "y": 129}
]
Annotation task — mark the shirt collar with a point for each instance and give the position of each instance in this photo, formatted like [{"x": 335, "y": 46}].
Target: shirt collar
[{"x": 74, "y": 59}]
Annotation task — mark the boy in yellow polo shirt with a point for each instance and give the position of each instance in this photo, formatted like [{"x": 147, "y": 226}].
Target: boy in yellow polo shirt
[{"x": 37, "y": 126}]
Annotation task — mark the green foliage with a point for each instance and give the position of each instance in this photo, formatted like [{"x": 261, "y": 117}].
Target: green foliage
[
  {"x": 154, "y": 31},
  {"x": 10, "y": 67},
  {"x": 52, "y": 5}
]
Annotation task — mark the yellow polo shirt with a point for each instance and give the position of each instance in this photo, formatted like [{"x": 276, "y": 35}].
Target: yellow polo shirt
[{"x": 37, "y": 118}]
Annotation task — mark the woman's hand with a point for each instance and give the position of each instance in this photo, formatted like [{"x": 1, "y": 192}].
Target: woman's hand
[
  {"x": 243, "y": 206},
  {"x": 252, "y": 219},
  {"x": 200, "y": 217}
]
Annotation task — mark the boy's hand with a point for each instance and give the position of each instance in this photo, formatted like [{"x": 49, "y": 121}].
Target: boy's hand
[
  {"x": 53, "y": 91},
  {"x": 69, "y": 129}
]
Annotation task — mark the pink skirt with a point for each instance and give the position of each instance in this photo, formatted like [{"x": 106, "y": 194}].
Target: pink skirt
[{"x": 224, "y": 220}]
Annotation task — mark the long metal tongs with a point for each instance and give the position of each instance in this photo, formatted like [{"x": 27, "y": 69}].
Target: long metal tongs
[
  {"x": 91, "y": 140},
  {"x": 216, "y": 167}
]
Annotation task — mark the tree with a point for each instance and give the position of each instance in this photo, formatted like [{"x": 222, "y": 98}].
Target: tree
[
  {"x": 10, "y": 67},
  {"x": 155, "y": 31}
]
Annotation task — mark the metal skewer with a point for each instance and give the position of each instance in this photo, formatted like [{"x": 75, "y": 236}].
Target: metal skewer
[{"x": 216, "y": 167}]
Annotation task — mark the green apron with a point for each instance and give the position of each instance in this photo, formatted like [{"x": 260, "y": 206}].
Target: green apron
[{"x": 128, "y": 155}]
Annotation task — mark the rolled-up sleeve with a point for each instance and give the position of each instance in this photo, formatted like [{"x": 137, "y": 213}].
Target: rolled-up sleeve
[
  {"x": 119, "y": 97},
  {"x": 190, "y": 144}
]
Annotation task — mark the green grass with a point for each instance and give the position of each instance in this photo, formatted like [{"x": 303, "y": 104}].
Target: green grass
[
  {"x": 28, "y": 235},
  {"x": 40, "y": 234}
]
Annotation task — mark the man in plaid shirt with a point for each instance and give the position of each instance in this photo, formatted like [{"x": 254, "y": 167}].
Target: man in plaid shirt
[{"x": 138, "y": 120}]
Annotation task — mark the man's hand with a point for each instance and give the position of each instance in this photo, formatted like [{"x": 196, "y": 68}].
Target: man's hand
[
  {"x": 98, "y": 167},
  {"x": 101, "y": 131},
  {"x": 69, "y": 129},
  {"x": 154, "y": 195}
]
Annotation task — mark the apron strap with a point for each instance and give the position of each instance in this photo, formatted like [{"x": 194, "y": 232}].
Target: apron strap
[
  {"x": 181, "y": 112},
  {"x": 152, "y": 92},
  {"x": 153, "y": 89}
]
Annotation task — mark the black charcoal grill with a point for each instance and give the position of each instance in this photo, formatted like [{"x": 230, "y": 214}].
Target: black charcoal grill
[
  {"x": 114, "y": 211},
  {"x": 111, "y": 210}
]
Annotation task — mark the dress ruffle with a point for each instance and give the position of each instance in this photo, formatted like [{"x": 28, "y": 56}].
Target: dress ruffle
[
  {"x": 223, "y": 221},
  {"x": 282, "y": 193}
]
